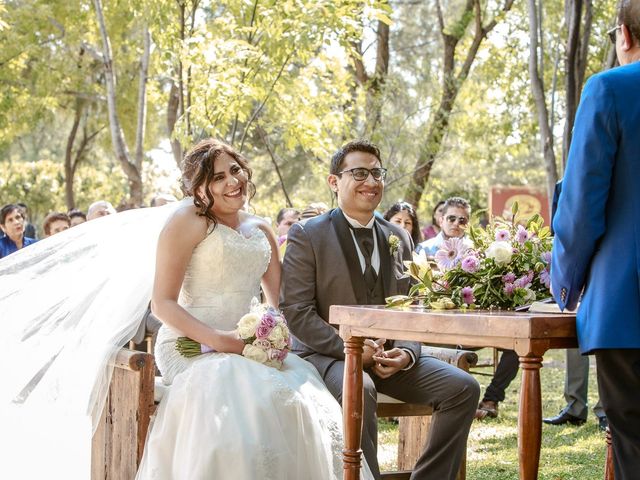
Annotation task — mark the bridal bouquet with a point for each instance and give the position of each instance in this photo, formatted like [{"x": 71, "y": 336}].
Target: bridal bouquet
[
  {"x": 507, "y": 266},
  {"x": 263, "y": 330}
]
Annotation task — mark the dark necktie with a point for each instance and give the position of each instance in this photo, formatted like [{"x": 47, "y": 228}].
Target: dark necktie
[{"x": 364, "y": 237}]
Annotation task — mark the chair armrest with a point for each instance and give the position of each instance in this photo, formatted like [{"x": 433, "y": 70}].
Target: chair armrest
[{"x": 463, "y": 359}]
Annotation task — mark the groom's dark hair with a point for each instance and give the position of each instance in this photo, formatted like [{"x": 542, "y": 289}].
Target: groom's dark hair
[{"x": 354, "y": 146}]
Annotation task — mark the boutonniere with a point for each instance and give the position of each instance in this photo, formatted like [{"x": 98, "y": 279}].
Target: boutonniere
[{"x": 394, "y": 244}]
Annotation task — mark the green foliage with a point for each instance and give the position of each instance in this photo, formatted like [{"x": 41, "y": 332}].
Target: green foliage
[{"x": 40, "y": 185}]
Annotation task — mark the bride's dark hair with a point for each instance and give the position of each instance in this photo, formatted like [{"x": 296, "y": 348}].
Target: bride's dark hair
[{"x": 197, "y": 170}]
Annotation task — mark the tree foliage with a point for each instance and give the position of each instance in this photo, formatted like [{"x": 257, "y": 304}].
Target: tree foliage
[{"x": 286, "y": 82}]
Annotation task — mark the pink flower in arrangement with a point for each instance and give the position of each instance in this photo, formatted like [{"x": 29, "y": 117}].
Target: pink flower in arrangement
[
  {"x": 267, "y": 322},
  {"x": 470, "y": 264},
  {"x": 546, "y": 257},
  {"x": 263, "y": 330},
  {"x": 509, "y": 278},
  {"x": 524, "y": 281},
  {"x": 448, "y": 256},
  {"x": 502, "y": 235},
  {"x": 467, "y": 295},
  {"x": 508, "y": 288},
  {"x": 521, "y": 235},
  {"x": 545, "y": 278}
]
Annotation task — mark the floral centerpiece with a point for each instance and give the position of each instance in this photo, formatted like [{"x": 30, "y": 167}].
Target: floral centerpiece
[
  {"x": 263, "y": 330},
  {"x": 508, "y": 266}
]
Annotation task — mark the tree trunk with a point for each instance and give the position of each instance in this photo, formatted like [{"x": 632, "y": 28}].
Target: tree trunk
[
  {"x": 172, "y": 117},
  {"x": 69, "y": 166},
  {"x": 265, "y": 141},
  {"x": 117, "y": 135},
  {"x": 541, "y": 105},
  {"x": 451, "y": 84},
  {"x": 142, "y": 98}
]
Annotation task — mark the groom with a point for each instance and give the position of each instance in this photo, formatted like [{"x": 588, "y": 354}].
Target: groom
[{"x": 344, "y": 257}]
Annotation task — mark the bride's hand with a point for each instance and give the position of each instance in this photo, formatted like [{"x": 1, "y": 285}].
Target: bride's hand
[{"x": 229, "y": 342}]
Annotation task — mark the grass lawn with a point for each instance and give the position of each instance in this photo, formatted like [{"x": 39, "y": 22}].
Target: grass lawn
[{"x": 568, "y": 452}]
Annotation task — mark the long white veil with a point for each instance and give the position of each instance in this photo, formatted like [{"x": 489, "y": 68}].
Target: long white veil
[{"x": 67, "y": 304}]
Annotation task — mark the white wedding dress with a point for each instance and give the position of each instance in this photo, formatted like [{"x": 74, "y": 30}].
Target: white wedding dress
[{"x": 225, "y": 416}]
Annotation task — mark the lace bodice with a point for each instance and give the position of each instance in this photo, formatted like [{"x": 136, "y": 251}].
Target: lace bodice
[{"x": 224, "y": 275}]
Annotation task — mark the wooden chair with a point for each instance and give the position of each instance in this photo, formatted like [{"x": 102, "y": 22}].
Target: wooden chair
[
  {"x": 414, "y": 419},
  {"x": 119, "y": 440}
]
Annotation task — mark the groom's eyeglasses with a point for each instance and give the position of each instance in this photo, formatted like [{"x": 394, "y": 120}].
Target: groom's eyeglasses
[
  {"x": 612, "y": 34},
  {"x": 461, "y": 220},
  {"x": 360, "y": 174}
]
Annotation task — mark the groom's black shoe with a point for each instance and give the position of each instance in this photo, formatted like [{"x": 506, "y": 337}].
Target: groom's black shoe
[
  {"x": 603, "y": 423},
  {"x": 563, "y": 418}
]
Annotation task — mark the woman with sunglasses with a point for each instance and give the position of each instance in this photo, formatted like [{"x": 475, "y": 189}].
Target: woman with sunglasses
[{"x": 454, "y": 221}]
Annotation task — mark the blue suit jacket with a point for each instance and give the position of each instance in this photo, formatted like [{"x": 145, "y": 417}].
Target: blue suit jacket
[{"x": 597, "y": 224}]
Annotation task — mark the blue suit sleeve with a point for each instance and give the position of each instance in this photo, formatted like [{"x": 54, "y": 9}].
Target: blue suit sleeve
[{"x": 580, "y": 218}]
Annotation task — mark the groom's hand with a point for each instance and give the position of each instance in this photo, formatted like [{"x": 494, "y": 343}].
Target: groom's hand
[
  {"x": 372, "y": 348},
  {"x": 390, "y": 362}
]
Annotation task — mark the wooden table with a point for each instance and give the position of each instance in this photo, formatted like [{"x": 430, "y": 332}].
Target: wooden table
[{"x": 529, "y": 334}]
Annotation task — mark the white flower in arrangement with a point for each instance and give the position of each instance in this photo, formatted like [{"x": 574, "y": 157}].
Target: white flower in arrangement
[
  {"x": 255, "y": 353},
  {"x": 500, "y": 251},
  {"x": 421, "y": 261},
  {"x": 529, "y": 296},
  {"x": 279, "y": 336},
  {"x": 248, "y": 324}
]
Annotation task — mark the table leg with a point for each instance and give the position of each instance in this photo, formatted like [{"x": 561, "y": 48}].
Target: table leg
[
  {"x": 530, "y": 418},
  {"x": 352, "y": 404}
]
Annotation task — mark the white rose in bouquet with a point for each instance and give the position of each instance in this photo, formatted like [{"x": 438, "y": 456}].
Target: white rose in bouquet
[
  {"x": 247, "y": 325},
  {"x": 500, "y": 251},
  {"x": 255, "y": 353},
  {"x": 279, "y": 336}
]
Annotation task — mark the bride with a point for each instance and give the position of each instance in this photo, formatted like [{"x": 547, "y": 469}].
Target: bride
[{"x": 222, "y": 413}]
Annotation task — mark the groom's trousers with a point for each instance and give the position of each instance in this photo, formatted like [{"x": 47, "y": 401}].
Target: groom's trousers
[{"x": 452, "y": 393}]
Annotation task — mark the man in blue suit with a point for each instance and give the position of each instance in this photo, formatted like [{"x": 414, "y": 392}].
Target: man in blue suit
[{"x": 596, "y": 249}]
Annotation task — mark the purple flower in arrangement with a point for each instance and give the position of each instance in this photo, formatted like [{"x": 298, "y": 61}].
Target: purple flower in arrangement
[
  {"x": 266, "y": 325},
  {"x": 502, "y": 235},
  {"x": 546, "y": 257},
  {"x": 545, "y": 278},
  {"x": 467, "y": 295},
  {"x": 509, "y": 278},
  {"x": 470, "y": 264},
  {"x": 448, "y": 256},
  {"x": 508, "y": 288},
  {"x": 521, "y": 235},
  {"x": 524, "y": 281}
]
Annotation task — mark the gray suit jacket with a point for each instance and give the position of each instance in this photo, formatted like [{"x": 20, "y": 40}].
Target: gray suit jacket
[{"x": 320, "y": 269}]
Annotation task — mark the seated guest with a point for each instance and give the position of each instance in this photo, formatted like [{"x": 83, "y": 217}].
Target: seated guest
[
  {"x": 432, "y": 230},
  {"x": 76, "y": 217},
  {"x": 454, "y": 220},
  {"x": 286, "y": 217},
  {"x": 162, "y": 199},
  {"x": 313, "y": 210},
  {"x": 12, "y": 224},
  {"x": 404, "y": 215},
  {"x": 55, "y": 222},
  {"x": 29, "y": 229},
  {"x": 99, "y": 209}
]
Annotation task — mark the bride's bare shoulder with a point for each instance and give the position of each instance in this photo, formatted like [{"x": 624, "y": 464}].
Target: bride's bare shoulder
[
  {"x": 252, "y": 221},
  {"x": 185, "y": 221}
]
